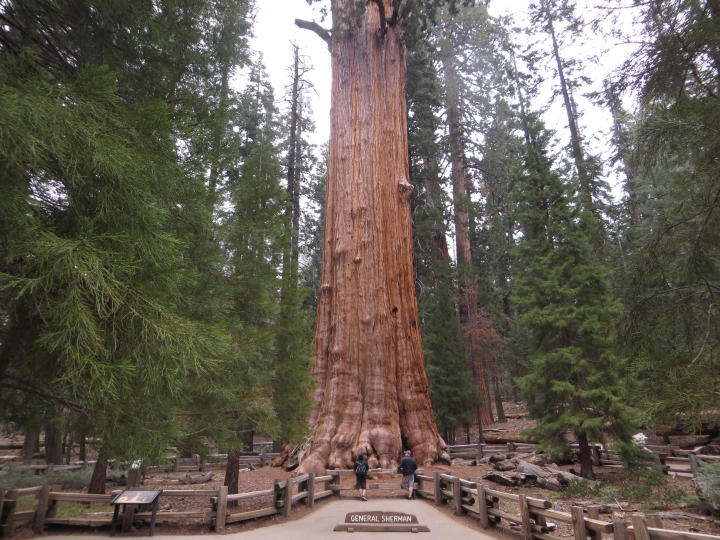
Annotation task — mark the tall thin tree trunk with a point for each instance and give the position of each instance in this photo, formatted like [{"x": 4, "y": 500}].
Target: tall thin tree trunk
[
  {"x": 53, "y": 443},
  {"x": 467, "y": 281},
  {"x": 498, "y": 399},
  {"x": 438, "y": 240},
  {"x": 576, "y": 146},
  {"x": 624, "y": 151},
  {"x": 372, "y": 391},
  {"x": 293, "y": 186},
  {"x": 97, "y": 481},
  {"x": 586, "y": 467},
  {"x": 232, "y": 472},
  {"x": 30, "y": 444}
]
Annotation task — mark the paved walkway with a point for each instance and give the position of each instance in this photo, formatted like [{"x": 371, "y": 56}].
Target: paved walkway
[{"x": 320, "y": 523}]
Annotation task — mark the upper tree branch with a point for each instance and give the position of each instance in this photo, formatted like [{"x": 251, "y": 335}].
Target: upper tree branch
[{"x": 315, "y": 27}]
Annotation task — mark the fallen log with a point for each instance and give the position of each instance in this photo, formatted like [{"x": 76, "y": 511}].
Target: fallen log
[{"x": 199, "y": 479}]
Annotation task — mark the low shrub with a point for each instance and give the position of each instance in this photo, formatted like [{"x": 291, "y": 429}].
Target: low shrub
[{"x": 69, "y": 480}]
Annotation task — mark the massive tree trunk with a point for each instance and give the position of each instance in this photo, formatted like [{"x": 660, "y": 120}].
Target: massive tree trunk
[
  {"x": 470, "y": 319},
  {"x": 372, "y": 392}
]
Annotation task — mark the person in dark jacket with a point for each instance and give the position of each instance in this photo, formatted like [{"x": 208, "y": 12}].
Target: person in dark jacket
[
  {"x": 361, "y": 470},
  {"x": 407, "y": 468}
]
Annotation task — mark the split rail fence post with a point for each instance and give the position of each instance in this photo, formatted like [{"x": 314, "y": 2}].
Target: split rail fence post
[
  {"x": 41, "y": 510},
  {"x": 310, "y": 487},
  {"x": 288, "y": 498},
  {"x": 7, "y": 518},
  {"x": 594, "y": 513},
  {"x": 482, "y": 507},
  {"x": 221, "y": 510},
  {"x": 578, "y": 523},
  {"x": 437, "y": 488},
  {"x": 640, "y": 530},
  {"x": 619, "y": 528},
  {"x": 277, "y": 494},
  {"x": 525, "y": 516},
  {"x": 457, "y": 496},
  {"x": 334, "y": 484}
]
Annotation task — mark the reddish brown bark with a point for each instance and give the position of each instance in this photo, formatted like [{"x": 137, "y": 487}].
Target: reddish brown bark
[
  {"x": 372, "y": 394},
  {"x": 473, "y": 325}
]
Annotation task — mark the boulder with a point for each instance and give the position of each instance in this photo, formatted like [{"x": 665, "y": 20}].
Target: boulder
[
  {"x": 539, "y": 459},
  {"x": 527, "y": 479},
  {"x": 510, "y": 480},
  {"x": 711, "y": 449},
  {"x": 497, "y": 457},
  {"x": 465, "y": 462},
  {"x": 549, "y": 483},
  {"x": 565, "y": 477},
  {"x": 529, "y": 468},
  {"x": 506, "y": 465}
]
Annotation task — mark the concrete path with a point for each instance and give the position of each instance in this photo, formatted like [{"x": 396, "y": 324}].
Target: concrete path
[{"x": 319, "y": 525}]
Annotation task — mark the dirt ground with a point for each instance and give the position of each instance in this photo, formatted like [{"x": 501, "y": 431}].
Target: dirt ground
[{"x": 675, "y": 513}]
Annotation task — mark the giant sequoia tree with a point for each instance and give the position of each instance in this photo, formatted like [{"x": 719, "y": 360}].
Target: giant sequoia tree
[{"x": 372, "y": 391}]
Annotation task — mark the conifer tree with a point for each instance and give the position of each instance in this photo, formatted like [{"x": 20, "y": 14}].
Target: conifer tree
[
  {"x": 292, "y": 382},
  {"x": 566, "y": 311},
  {"x": 449, "y": 378},
  {"x": 253, "y": 239},
  {"x": 98, "y": 275},
  {"x": 671, "y": 331}
]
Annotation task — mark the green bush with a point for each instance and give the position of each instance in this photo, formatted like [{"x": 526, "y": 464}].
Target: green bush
[
  {"x": 580, "y": 488},
  {"x": 71, "y": 480},
  {"x": 707, "y": 483}
]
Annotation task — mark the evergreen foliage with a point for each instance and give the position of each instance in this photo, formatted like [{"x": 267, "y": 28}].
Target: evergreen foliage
[
  {"x": 566, "y": 312},
  {"x": 671, "y": 331},
  {"x": 449, "y": 378},
  {"x": 95, "y": 319}
]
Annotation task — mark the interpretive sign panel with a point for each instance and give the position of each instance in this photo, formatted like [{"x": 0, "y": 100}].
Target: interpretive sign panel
[{"x": 133, "y": 498}]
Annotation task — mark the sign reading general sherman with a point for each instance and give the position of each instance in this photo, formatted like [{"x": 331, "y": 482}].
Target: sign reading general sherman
[{"x": 380, "y": 522}]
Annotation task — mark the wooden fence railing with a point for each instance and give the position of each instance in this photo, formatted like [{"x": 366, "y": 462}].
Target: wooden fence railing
[
  {"x": 489, "y": 506},
  {"x": 279, "y": 499}
]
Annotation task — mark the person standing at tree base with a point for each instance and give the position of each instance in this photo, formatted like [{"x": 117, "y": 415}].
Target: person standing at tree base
[
  {"x": 361, "y": 470},
  {"x": 407, "y": 468}
]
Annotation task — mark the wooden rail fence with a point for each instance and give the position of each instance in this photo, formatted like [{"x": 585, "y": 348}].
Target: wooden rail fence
[{"x": 489, "y": 506}]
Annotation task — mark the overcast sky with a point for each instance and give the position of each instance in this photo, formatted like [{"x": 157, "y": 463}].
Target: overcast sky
[{"x": 275, "y": 31}]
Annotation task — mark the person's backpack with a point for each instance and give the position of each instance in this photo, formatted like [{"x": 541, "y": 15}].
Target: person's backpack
[{"x": 361, "y": 468}]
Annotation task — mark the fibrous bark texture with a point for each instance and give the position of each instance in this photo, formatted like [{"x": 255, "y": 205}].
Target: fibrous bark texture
[
  {"x": 372, "y": 393},
  {"x": 472, "y": 323}
]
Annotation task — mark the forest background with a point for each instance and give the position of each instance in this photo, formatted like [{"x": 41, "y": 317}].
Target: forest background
[{"x": 161, "y": 229}]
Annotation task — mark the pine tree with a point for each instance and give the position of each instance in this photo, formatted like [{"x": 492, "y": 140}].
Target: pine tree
[
  {"x": 548, "y": 15},
  {"x": 671, "y": 331},
  {"x": 566, "y": 312},
  {"x": 292, "y": 382},
  {"x": 95, "y": 268}
]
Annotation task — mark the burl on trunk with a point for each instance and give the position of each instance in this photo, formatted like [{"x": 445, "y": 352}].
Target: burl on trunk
[{"x": 372, "y": 392}]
